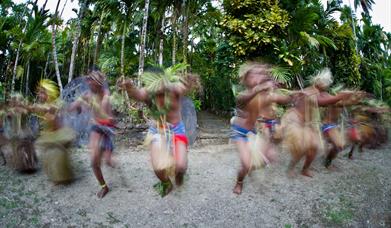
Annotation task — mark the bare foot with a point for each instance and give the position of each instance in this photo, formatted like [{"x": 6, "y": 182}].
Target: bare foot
[
  {"x": 306, "y": 173},
  {"x": 238, "y": 188},
  {"x": 102, "y": 192}
]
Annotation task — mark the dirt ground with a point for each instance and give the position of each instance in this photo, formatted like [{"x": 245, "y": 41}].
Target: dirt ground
[{"x": 358, "y": 195}]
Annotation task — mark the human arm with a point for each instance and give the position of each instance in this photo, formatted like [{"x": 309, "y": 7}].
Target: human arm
[
  {"x": 325, "y": 99},
  {"x": 133, "y": 91},
  {"x": 244, "y": 97}
]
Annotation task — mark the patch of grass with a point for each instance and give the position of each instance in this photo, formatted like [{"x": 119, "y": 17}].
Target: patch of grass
[
  {"x": 17, "y": 203},
  {"x": 111, "y": 218},
  {"x": 162, "y": 187},
  {"x": 288, "y": 226},
  {"x": 341, "y": 213}
]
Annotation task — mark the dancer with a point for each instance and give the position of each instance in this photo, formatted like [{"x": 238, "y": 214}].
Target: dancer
[
  {"x": 302, "y": 135},
  {"x": 102, "y": 129},
  {"x": 167, "y": 139},
  {"x": 330, "y": 128},
  {"x": 19, "y": 146},
  {"x": 255, "y": 78},
  {"x": 54, "y": 139}
]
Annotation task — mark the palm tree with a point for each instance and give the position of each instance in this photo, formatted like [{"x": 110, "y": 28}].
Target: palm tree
[
  {"x": 142, "y": 41},
  {"x": 185, "y": 29},
  {"x": 83, "y": 6},
  {"x": 35, "y": 40},
  {"x": 366, "y": 5},
  {"x": 18, "y": 54},
  {"x": 55, "y": 57}
]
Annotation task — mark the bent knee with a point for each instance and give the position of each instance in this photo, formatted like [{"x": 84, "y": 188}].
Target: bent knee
[{"x": 181, "y": 167}]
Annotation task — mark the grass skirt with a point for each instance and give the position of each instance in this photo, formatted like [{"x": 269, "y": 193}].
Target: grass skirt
[
  {"x": 163, "y": 160},
  {"x": 298, "y": 138},
  {"x": 20, "y": 154},
  {"x": 257, "y": 145},
  {"x": 54, "y": 147}
]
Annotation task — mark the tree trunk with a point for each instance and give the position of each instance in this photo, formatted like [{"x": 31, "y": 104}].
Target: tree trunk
[
  {"x": 99, "y": 41},
  {"x": 123, "y": 49},
  {"x": 142, "y": 42},
  {"x": 27, "y": 78},
  {"x": 56, "y": 67},
  {"x": 15, "y": 67},
  {"x": 185, "y": 30},
  {"x": 174, "y": 16},
  {"x": 55, "y": 49},
  {"x": 161, "y": 43},
  {"x": 76, "y": 42},
  {"x": 191, "y": 53},
  {"x": 46, "y": 66},
  {"x": 353, "y": 27},
  {"x": 90, "y": 41}
]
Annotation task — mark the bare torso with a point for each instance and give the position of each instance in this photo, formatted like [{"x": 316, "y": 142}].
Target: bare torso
[
  {"x": 174, "y": 114},
  {"x": 267, "y": 108}
]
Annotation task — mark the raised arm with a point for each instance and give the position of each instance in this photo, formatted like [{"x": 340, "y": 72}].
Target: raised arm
[
  {"x": 133, "y": 91},
  {"x": 280, "y": 99},
  {"x": 243, "y": 98},
  {"x": 325, "y": 99}
]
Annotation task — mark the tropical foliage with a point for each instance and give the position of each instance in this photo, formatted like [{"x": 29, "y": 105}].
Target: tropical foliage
[{"x": 211, "y": 38}]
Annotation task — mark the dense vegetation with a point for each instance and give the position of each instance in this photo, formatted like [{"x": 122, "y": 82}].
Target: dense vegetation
[{"x": 124, "y": 37}]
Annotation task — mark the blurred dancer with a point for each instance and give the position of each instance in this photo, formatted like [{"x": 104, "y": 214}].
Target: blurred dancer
[
  {"x": 254, "y": 77},
  {"x": 167, "y": 132},
  {"x": 102, "y": 130},
  {"x": 302, "y": 135}
]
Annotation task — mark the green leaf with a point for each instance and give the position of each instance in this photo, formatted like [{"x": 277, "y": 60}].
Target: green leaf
[{"x": 281, "y": 74}]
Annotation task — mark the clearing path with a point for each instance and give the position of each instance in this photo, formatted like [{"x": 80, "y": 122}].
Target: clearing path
[{"x": 358, "y": 195}]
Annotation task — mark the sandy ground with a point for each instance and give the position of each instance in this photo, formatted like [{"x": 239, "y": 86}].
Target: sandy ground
[{"x": 358, "y": 195}]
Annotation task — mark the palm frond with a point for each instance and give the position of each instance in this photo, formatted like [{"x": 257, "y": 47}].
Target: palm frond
[
  {"x": 312, "y": 42},
  {"x": 170, "y": 77},
  {"x": 281, "y": 74},
  {"x": 325, "y": 41}
]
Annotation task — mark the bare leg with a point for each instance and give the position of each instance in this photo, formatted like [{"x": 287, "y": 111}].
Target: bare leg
[
  {"x": 96, "y": 162},
  {"x": 334, "y": 137},
  {"x": 330, "y": 157},
  {"x": 292, "y": 164},
  {"x": 108, "y": 156},
  {"x": 351, "y": 151},
  {"x": 308, "y": 160},
  {"x": 181, "y": 162},
  {"x": 244, "y": 154}
]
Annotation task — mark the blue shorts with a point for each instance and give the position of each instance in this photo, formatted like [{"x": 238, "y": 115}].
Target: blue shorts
[
  {"x": 178, "y": 131},
  {"x": 270, "y": 124},
  {"x": 328, "y": 126},
  {"x": 107, "y": 134},
  {"x": 239, "y": 133}
]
